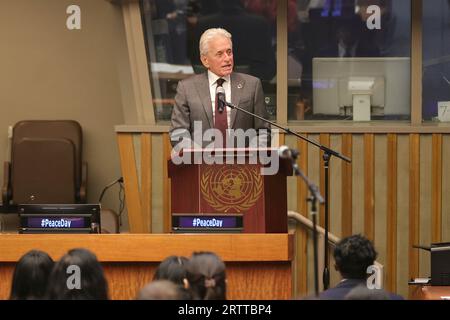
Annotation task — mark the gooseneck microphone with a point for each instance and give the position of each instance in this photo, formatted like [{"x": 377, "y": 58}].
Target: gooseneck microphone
[
  {"x": 220, "y": 94},
  {"x": 284, "y": 152}
]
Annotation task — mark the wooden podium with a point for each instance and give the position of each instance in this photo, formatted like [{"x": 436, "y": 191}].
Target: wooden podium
[{"x": 231, "y": 192}]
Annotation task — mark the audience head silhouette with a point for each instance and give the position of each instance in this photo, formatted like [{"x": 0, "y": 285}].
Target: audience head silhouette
[
  {"x": 161, "y": 290},
  {"x": 91, "y": 284},
  {"x": 205, "y": 276},
  {"x": 31, "y": 274},
  {"x": 353, "y": 255},
  {"x": 172, "y": 268}
]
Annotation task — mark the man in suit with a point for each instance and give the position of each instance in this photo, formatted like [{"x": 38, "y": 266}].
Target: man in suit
[
  {"x": 353, "y": 255},
  {"x": 196, "y": 104}
]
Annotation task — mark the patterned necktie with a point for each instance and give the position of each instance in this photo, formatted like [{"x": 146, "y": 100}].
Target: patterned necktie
[{"x": 220, "y": 118}]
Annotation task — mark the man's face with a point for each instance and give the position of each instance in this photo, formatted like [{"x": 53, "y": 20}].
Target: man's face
[{"x": 219, "y": 58}]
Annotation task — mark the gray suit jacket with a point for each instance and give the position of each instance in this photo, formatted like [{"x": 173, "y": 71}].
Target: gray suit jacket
[{"x": 193, "y": 103}]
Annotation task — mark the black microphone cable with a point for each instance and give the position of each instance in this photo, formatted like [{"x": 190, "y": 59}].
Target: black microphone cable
[{"x": 121, "y": 197}]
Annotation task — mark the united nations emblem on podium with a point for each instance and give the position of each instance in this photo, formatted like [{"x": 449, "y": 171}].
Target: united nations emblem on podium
[{"x": 231, "y": 188}]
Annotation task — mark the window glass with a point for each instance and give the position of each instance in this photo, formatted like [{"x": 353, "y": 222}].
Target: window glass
[
  {"x": 173, "y": 29},
  {"x": 349, "y": 60},
  {"x": 436, "y": 60}
]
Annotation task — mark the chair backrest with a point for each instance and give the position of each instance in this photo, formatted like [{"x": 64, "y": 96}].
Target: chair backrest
[
  {"x": 43, "y": 171},
  {"x": 54, "y": 129},
  {"x": 46, "y": 161}
]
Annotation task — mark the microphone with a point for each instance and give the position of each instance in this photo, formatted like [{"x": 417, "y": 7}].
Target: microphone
[
  {"x": 220, "y": 94},
  {"x": 284, "y": 152}
]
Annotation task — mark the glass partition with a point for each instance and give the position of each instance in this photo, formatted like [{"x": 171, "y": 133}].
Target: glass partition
[
  {"x": 172, "y": 31},
  {"x": 436, "y": 61},
  {"x": 349, "y": 60}
]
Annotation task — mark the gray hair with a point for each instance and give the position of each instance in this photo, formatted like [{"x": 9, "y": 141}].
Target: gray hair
[{"x": 210, "y": 34}]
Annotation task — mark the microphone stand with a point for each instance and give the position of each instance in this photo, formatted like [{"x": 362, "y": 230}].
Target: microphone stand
[
  {"x": 327, "y": 154},
  {"x": 315, "y": 196}
]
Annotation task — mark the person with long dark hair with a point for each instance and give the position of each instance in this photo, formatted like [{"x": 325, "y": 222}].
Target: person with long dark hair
[
  {"x": 206, "y": 277},
  {"x": 91, "y": 283},
  {"x": 31, "y": 274}
]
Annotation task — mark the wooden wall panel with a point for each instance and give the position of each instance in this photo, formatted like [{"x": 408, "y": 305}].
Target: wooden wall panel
[
  {"x": 436, "y": 188},
  {"x": 314, "y": 176},
  {"x": 403, "y": 214},
  {"x": 291, "y": 141},
  {"x": 391, "y": 220},
  {"x": 335, "y": 202},
  {"x": 414, "y": 203},
  {"x": 146, "y": 179},
  {"x": 369, "y": 192},
  {"x": 380, "y": 200},
  {"x": 258, "y": 265},
  {"x": 358, "y": 184},
  {"x": 391, "y": 192},
  {"x": 445, "y": 229},
  {"x": 346, "y": 184},
  {"x": 324, "y": 140},
  {"x": 6, "y": 274},
  {"x": 157, "y": 185},
  {"x": 130, "y": 174},
  {"x": 424, "y": 203},
  {"x": 167, "y": 216},
  {"x": 302, "y": 234}
]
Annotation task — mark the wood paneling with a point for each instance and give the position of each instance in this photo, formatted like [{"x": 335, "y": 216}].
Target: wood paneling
[
  {"x": 445, "y": 214},
  {"x": 167, "y": 214},
  {"x": 395, "y": 173},
  {"x": 325, "y": 141},
  {"x": 302, "y": 235},
  {"x": 403, "y": 224},
  {"x": 258, "y": 265},
  {"x": 136, "y": 220},
  {"x": 151, "y": 247},
  {"x": 263, "y": 281},
  {"x": 391, "y": 195},
  {"x": 369, "y": 188},
  {"x": 414, "y": 203},
  {"x": 436, "y": 189},
  {"x": 346, "y": 186},
  {"x": 380, "y": 196},
  {"x": 245, "y": 280},
  {"x": 358, "y": 184},
  {"x": 425, "y": 216},
  {"x": 146, "y": 179}
]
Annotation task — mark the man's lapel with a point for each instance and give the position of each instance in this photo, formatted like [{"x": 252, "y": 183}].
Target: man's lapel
[
  {"x": 237, "y": 85},
  {"x": 202, "y": 86}
]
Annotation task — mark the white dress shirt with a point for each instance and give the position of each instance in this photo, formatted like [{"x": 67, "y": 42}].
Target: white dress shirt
[{"x": 212, "y": 78}]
